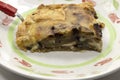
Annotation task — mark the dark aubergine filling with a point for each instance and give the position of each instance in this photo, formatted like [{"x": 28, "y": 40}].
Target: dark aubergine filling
[{"x": 55, "y": 42}]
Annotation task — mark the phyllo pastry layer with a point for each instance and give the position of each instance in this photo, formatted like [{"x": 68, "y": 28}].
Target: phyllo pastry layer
[{"x": 61, "y": 27}]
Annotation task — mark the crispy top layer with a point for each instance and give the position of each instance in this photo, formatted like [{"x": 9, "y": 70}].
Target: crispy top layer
[{"x": 61, "y": 17}]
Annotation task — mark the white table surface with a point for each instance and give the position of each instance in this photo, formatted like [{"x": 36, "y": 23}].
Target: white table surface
[{"x": 7, "y": 75}]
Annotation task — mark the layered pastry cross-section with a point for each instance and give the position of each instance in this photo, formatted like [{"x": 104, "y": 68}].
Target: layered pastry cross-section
[{"x": 61, "y": 27}]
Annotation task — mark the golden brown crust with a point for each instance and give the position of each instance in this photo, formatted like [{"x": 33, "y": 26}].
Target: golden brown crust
[{"x": 63, "y": 17}]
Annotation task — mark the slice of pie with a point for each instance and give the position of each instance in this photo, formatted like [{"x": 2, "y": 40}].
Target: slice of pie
[{"x": 61, "y": 27}]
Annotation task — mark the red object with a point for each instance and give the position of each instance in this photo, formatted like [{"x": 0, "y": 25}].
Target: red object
[
  {"x": 7, "y": 20},
  {"x": 103, "y": 62},
  {"x": 114, "y": 18},
  {"x": 23, "y": 62},
  {"x": 7, "y": 9}
]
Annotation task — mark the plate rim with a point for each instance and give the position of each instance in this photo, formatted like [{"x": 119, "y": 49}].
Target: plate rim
[{"x": 35, "y": 76}]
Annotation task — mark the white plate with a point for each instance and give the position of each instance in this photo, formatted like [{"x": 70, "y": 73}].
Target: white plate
[{"x": 61, "y": 64}]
